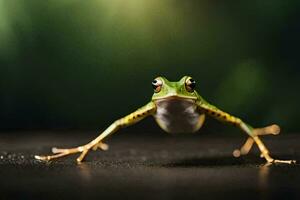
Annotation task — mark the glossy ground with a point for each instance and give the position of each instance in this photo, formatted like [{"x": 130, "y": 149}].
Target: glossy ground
[{"x": 147, "y": 166}]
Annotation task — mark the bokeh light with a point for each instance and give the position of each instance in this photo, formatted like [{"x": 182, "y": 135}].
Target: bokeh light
[{"x": 82, "y": 64}]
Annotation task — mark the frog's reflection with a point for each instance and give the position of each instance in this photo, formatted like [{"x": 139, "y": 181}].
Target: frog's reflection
[
  {"x": 263, "y": 179},
  {"x": 84, "y": 171}
]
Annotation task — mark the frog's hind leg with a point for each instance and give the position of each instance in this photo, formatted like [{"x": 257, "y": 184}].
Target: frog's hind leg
[
  {"x": 254, "y": 135},
  {"x": 268, "y": 130}
]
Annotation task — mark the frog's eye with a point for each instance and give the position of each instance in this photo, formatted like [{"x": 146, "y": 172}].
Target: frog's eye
[
  {"x": 190, "y": 84},
  {"x": 156, "y": 84}
]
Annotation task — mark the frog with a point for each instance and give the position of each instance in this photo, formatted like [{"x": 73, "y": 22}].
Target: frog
[{"x": 177, "y": 108}]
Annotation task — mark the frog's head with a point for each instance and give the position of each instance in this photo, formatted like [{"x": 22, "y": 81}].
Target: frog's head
[{"x": 184, "y": 88}]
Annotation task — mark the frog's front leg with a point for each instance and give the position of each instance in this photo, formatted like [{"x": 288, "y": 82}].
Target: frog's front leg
[
  {"x": 130, "y": 119},
  {"x": 253, "y": 133}
]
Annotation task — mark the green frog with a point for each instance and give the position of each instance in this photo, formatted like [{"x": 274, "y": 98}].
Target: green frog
[{"x": 177, "y": 108}]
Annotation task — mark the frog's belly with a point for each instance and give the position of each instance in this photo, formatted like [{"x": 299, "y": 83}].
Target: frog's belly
[{"x": 177, "y": 115}]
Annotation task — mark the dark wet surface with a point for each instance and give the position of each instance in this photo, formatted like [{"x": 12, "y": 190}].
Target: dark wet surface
[{"x": 147, "y": 167}]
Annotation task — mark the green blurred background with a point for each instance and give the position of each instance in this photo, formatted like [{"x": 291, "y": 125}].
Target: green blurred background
[{"x": 82, "y": 64}]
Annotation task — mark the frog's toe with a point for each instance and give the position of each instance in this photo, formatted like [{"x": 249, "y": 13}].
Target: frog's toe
[
  {"x": 284, "y": 161},
  {"x": 43, "y": 158},
  {"x": 236, "y": 153},
  {"x": 101, "y": 145},
  {"x": 268, "y": 130}
]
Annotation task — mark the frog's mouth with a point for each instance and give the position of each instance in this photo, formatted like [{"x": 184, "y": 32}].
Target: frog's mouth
[
  {"x": 174, "y": 100},
  {"x": 175, "y": 97}
]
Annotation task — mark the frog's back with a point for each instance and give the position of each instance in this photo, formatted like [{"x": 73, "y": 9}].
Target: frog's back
[{"x": 176, "y": 115}]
